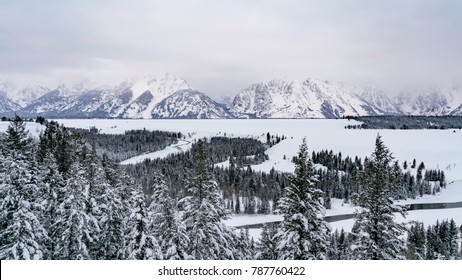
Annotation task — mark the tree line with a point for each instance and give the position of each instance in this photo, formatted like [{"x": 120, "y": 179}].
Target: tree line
[
  {"x": 406, "y": 122},
  {"x": 60, "y": 200}
]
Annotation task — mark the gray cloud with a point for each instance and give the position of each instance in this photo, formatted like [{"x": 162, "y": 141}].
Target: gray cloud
[{"x": 222, "y": 46}]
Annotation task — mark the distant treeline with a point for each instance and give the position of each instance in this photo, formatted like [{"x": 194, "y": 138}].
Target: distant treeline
[
  {"x": 40, "y": 120},
  {"x": 406, "y": 122},
  {"x": 132, "y": 143}
]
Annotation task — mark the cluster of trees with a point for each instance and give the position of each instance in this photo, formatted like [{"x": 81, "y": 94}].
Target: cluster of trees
[
  {"x": 247, "y": 191},
  {"x": 241, "y": 151},
  {"x": 39, "y": 119},
  {"x": 244, "y": 190},
  {"x": 439, "y": 241},
  {"x": 130, "y": 144},
  {"x": 376, "y": 235},
  {"x": 60, "y": 200},
  {"x": 341, "y": 177},
  {"x": 407, "y": 122},
  {"x": 272, "y": 140}
]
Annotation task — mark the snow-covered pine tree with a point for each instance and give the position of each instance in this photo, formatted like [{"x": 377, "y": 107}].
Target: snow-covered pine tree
[
  {"x": 377, "y": 235},
  {"x": 266, "y": 248},
  {"x": 203, "y": 212},
  {"x": 115, "y": 211},
  {"x": 140, "y": 242},
  {"x": 244, "y": 246},
  {"x": 166, "y": 224},
  {"x": 453, "y": 237},
  {"x": 53, "y": 192},
  {"x": 111, "y": 221},
  {"x": 416, "y": 242},
  {"x": 344, "y": 246},
  {"x": 75, "y": 229},
  {"x": 104, "y": 204},
  {"x": 303, "y": 234},
  {"x": 22, "y": 235}
]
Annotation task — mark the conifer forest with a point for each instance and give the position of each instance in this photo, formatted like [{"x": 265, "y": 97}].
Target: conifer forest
[{"x": 65, "y": 196}]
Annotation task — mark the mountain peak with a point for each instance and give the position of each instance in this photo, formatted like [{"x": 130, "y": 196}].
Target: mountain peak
[{"x": 190, "y": 103}]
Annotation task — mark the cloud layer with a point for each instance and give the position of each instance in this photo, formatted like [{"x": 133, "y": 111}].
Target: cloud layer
[{"x": 222, "y": 46}]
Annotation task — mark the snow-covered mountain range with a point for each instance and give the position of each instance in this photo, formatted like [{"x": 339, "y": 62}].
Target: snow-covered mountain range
[
  {"x": 167, "y": 96},
  {"x": 323, "y": 99}
]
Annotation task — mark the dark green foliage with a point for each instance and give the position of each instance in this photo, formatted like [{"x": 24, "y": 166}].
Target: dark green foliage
[
  {"x": 416, "y": 242},
  {"x": 131, "y": 143},
  {"x": 203, "y": 212},
  {"x": 442, "y": 241},
  {"x": 22, "y": 232},
  {"x": 303, "y": 234},
  {"x": 267, "y": 246},
  {"x": 408, "y": 122},
  {"x": 377, "y": 235},
  {"x": 166, "y": 223},
  {"x": 235, "y": 182}
]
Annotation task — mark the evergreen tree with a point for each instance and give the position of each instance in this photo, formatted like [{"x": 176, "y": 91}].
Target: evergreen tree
[
  {"x": 16, "y": 142},
  {"x": 266, "y": 248},
  {"x": 244, "y": 246},
  {"x": 416, "y": 242},
  {"x": 166, "y": 224},
  {"x": 140, "y": 242},
  {"x": 344, "y": 246},
  {"x": 75, "y": 230},
  {"x": 378, "y": 236},
  {"x": 453, "y": 236},
  {"x": 111, "y": 221},
  {"x": 203, "y": 212},
  {"x": 22, "y": 235},
  {"x": 52, "y": 193},
  {"x": 304, "y": 233}
]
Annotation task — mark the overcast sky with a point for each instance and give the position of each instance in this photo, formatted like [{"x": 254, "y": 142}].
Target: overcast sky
[{"x": 220, "y": 47}]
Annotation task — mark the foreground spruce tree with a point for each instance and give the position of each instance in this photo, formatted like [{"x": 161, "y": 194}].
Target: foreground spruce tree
[
  {"x": 304, "y": 233},
  {"x": 203, "y": 213},
  {"x": 75, "y": 229},
  {"x": 141, "y": 243},
  {"x": 266, "y": 248},
  {"x": 166, "y": 224},
  {"x": 22, "y": 234},
  {"x": 377, "y": 235}
]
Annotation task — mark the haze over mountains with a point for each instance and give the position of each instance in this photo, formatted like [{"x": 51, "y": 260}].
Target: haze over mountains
[{"x": 167, "y": 96}]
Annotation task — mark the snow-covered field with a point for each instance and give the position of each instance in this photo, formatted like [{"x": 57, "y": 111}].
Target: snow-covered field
[{"x": 436, "y": 148}]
